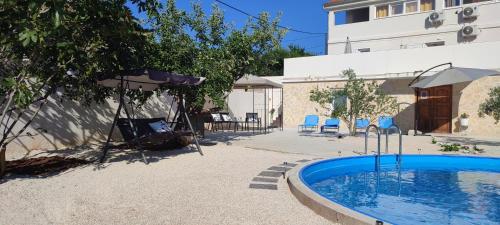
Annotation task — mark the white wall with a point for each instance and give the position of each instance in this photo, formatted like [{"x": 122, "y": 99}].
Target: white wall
[
  {"x": 70, "y": 123},
  {"x": 394, "y": 63},
  {"x": 413, "y": 30}
]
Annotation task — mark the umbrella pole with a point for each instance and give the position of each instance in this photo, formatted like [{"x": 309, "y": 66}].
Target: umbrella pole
[
  {"x": 282, "y": 110},
  {"x": 272, "y": 107},
  {"x": 253, "y": 111},
  {"x": 265, "y": 110}
]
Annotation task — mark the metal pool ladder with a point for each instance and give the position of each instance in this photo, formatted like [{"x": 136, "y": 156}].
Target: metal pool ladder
[
  {"x": 377, "y": 156},
  {"x": 400, "y": 153}
]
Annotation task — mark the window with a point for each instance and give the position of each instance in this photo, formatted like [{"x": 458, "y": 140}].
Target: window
[
  {"x": 397, "y": 8},
  {"x": 411, "y": 7},
  {"x": 382, "y": 11},
  {"x": 451, "y": 3},
  {"x": 352, "y": 16},
  {"x": 426, "y": 5},
  {"x": 473, "y": 1},
  {"x": 364, "y": 50},
  {"x": 434, "y": 44}
]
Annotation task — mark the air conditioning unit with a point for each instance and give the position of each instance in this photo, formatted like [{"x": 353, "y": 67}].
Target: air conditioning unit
[
  {"x": 436, "y": 17},
  {"x": 470, "y": 31},
  {"x": 470, "y": 12}
]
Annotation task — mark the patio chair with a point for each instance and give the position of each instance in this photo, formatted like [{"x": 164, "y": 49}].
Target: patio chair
[
  {"x": 216, "y": 121},
  {"x": 252, "y": 118},
  {"x": 227, "y": 119},
  {"x": 385, "y": 122},
  {"x": 333, "y": 123},
  {"x": 310, "y": 122},
  {"x": 149, "y": 137},
  {"x": 362, "y": 123}
]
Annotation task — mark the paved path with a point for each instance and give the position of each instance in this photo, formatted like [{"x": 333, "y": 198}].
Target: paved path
[{"x": 329, "y": 145}]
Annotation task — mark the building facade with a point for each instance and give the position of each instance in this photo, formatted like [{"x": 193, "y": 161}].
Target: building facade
[{"x": 392, "y": 42}]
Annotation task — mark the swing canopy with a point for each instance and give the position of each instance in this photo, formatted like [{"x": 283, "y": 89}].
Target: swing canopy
[{"x": 148, "y": 80}]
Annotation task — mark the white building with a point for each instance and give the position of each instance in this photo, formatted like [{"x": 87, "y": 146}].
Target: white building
[
  {"x": 392, "y": 42},
  {"x": 388, "y": 25}
]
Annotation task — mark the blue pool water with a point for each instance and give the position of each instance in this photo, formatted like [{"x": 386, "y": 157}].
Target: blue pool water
[{"x": 426, "y": 190}]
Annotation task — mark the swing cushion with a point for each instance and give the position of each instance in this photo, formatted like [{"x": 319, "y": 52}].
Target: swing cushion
[
  {"x": 142, "y": 126},
  {"x": 149, "y": 138},
  {"x": 160, "y": 126}
]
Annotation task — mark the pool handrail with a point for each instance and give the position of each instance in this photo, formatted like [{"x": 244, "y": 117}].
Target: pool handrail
[
  {"x": 400, "y": 153},
  {"x": 377, "y": 157}
]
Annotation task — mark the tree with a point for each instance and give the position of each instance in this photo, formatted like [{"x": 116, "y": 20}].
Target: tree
[
  {"x": 356, "y": 99},
  {"x": 274, "y": 60},
  {"x": 491, "y": 106},
  {"x": 47, "y": 47},
  {"x": 201, "y": 45}
]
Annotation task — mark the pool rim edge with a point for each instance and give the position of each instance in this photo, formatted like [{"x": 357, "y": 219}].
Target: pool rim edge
[
  {"x": 327, "y": 209},
  {"x": 331, "y": 210}
]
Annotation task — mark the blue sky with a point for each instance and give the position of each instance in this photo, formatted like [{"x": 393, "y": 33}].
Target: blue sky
[{"x": 306, "y": 15}]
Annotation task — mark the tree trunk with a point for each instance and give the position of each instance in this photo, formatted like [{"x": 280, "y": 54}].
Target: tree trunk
[{"x": 2, "y": 162}]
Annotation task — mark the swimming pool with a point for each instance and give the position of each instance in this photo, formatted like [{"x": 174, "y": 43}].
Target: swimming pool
[{"x": 427, "y": 189}]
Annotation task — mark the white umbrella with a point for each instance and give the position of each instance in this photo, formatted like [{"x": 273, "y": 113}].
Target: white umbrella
[{"x": 453, "y": 75}]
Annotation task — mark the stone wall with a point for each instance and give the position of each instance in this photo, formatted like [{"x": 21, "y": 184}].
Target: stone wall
[{"x": 466, "y": 99}]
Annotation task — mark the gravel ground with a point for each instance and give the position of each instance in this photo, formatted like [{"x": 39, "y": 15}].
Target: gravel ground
[
  {"x": 175, "y": 188},
  {"x": 183, "y": 187}
]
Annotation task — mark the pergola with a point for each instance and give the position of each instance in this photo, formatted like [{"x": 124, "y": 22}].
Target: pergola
[{"x": 253, "y": 82}]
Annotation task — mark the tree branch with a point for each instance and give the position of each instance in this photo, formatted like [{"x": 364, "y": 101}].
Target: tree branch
[{"x": 10, "y": 139}]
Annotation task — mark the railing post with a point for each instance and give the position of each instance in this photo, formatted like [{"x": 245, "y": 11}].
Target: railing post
[
  {"x": 377, "y": 157},
  {"x": 386, "y": 141}
]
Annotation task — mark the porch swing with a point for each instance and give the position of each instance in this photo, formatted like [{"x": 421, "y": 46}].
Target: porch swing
[{"x": 150, "y": 133}]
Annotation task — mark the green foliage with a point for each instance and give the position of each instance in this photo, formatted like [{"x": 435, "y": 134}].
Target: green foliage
[
  {"x": 41, "y": 41},
  {"x": 450, "y": 147},
  {"x": 491, "y": 106},
  {"x": 434, "y": 140},
  {"x": 274, "y": 60},
  {"x": 364, "y": 99},
  {"x": 204, "y": 45},
  {"x": 454, "y": 147},
  {"x": 65, "y": 45}
]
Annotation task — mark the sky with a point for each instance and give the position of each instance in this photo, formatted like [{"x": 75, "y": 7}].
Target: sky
[{"x": 304, "y": 15}]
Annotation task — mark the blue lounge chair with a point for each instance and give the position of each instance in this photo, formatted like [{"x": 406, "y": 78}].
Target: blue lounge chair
[
  {"x": 362, "y": 124},
  {"x": 310, "y": 122},
  {"x": 384, "y": 122},
  {"x": 333, "y": 123}
]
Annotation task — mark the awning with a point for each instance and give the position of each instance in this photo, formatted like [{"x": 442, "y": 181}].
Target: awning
[
  {"x": 149, "y": 80},
  {"x": 453, "y": 75},
  {"x": 255, "y": 82}
]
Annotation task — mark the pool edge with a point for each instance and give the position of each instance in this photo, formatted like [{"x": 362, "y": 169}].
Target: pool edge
[{"x": 327, "y": 209}]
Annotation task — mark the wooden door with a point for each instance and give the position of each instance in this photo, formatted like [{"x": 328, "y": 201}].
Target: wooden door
[{"x": 434, "y": 108}]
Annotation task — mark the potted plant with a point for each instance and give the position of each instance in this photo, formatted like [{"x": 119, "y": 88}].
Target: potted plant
[{"x": 464, "y": 120}]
